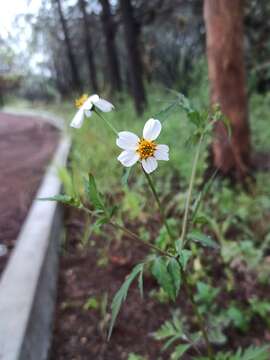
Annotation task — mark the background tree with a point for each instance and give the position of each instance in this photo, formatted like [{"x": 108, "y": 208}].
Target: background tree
[
  {"x": 131, "y": 34},
  {"x": 224, "y": 30},
  {"x": 89, "y": 47},
  {"x": 109, "y": 31},
  {"x": 73, "y": 67}
]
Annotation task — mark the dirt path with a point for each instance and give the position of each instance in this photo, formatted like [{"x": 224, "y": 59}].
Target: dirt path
[{"x": 26, "y": 146}]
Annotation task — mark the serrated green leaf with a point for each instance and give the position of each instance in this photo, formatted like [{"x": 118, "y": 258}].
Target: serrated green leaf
[
  {"x": 203, "y": 239},
  {"x": 93, "y": 194},
  {"x": 163, "y": 277},
  {"x": 175, "y": 272},
  {"x": 179, "y": 351},
  {"x": 121, "y": 296},
  {"x": 184, "y": 256}
]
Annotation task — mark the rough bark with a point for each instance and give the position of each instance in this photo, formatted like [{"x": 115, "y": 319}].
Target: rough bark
[
  {"x": 226, "y": 68},
  {"x": 131, "y": 33},
  {"x": 89, "y": 47},
  {"x": 73, "y": 68},
  {"x": 111, "y": 52}
]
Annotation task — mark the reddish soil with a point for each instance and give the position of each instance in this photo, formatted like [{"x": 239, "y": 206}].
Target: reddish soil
[
  {"x": 80, "y": 333},
  {"x": 26, "y": 147}
]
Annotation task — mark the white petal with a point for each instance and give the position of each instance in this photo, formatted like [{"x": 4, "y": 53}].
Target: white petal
[
  {"x": 162, "y": 152},
  {"x": 77, "y": 121},
  {"x": 151, "y": 129},
  {"x": 88, "y": 113},
  {"x": 128, "y": 158},
  {"x": 150, "y": 164},
  {"x": 104, "y": 105},
  {"x": 88, "y": 104},
  {"x": 127, "y": 140},
  {"x": 94, "y": 98}
]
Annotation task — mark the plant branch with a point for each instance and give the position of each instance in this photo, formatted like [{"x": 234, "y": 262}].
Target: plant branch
[
  {"x": 139, "y": 240},
  {"x": 131, "y": 234}
]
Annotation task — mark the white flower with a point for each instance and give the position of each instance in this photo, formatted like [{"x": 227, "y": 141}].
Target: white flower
[
  {"x": 86, "y": 105},
  {"x": 142, "y": 149}
]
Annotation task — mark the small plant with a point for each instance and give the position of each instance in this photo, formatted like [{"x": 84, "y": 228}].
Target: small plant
[{"x": 173, "y": 250}]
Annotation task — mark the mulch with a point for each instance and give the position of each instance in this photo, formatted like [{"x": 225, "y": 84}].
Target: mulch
[{"x": 26, "y": 146}]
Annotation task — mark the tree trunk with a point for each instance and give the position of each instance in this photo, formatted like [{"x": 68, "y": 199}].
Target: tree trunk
[
  {"x": 74, "y": 71},
  {"x": 131, "y": 33},
  {"x": 88, "y": 47},
  {"x": 226, "y": 68},
  {"x": 109, "y": 34}
]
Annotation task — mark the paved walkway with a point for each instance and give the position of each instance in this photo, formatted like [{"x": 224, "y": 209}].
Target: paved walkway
[{"x": 26, "y": 146}]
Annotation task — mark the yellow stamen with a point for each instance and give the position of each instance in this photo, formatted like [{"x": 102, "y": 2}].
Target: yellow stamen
[
  {"x": 79, "y": 102},
  {"x": 146, "y": 148}
]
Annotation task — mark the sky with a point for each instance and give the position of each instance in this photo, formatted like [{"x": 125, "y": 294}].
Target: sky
[
  {"x": 11, "y": 8},
  {"x": 18, "y": 36}
]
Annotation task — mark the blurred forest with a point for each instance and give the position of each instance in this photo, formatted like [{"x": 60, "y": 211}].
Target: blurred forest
[
  {"x": 130, "y": 46},
  {"x": 105, "y": 45}
]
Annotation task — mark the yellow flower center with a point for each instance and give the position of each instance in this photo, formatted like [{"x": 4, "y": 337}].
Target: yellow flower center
[
  {"x": 80, "y": 101},
  {"x": 146, "y": 148}
]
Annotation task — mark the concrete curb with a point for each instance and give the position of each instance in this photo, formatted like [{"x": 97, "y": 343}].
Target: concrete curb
[{"x": 29, "y": 282}]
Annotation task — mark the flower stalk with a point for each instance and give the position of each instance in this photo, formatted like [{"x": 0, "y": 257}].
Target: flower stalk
[
  {"x": 107, "y": 122},
  {"x": 161, "y": 209}
]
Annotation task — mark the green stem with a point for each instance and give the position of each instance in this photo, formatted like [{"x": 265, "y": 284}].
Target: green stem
[
  {"x": 107, "y": 122},
  {"x": 161, "y": 209},
  {"x": 189, "y": 194},
  {"x": 199, "y": 317}
]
